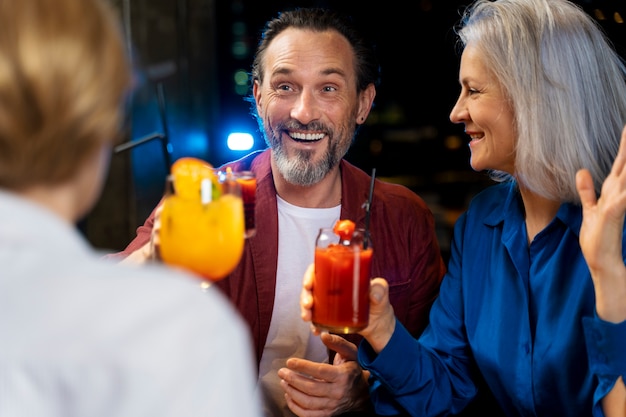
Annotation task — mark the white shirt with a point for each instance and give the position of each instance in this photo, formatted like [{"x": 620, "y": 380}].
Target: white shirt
[
  {"x": 86, "y": 338},
  {"x": 289, "y": 336}
]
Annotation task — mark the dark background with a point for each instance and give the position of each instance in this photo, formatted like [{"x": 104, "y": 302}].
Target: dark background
[{"x": 189, "y": 52}]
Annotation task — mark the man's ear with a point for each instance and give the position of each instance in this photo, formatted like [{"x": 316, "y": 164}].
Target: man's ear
[
  {"x": 256, "y": 92},
  {"x": 366, "y": 100}
]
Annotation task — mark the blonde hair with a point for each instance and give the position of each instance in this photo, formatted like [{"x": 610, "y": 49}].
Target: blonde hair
[
  {"x": 64, "y": 75},
  {"x": 566, "y": 83}
]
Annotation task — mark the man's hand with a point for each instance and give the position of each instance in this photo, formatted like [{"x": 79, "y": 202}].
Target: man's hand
[
  {"x": 140, "y": 256},
  {"x": 322, "y": 390},
  {"x": 150, "y": 251}
]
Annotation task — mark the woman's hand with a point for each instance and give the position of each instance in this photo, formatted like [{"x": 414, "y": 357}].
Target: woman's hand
[
  {"x": 382, "y": 321},
  {"x": 601, "y": 236}
]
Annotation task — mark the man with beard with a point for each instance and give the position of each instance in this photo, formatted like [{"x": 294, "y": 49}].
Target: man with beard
[{"x": 314, "y": 82}]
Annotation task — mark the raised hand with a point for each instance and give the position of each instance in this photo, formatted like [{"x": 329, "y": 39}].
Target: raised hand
[{"x": 601, "y": 236}]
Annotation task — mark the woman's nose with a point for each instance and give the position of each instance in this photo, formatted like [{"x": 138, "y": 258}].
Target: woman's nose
[{"x": 459, "y": 113}]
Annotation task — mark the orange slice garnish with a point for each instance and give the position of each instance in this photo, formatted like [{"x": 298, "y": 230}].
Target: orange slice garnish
[{"x": 195, "y": 178}]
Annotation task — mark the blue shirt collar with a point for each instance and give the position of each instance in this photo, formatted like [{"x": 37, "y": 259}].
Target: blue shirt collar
[{"x": 569, "y": 214}]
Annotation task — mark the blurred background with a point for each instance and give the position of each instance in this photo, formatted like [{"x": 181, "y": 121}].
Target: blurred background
[{"x": 192, "y": 60}]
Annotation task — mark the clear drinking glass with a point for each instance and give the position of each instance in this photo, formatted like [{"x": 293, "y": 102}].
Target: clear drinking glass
[{"x": 342, "y": 282}]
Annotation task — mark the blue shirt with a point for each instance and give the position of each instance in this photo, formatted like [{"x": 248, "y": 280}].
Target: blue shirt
[{"x": 510, "y": 317}]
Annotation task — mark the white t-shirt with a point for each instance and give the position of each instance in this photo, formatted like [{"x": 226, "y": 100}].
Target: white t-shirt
[{"x": 288, "y": 335}]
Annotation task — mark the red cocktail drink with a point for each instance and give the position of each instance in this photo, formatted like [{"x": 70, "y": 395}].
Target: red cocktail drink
[
  {"x": 342, "y": 282},
  {"x": 247, "y": 181}
]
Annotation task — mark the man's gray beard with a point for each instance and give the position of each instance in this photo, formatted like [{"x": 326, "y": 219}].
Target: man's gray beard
[{"x": 299, "y": 170}]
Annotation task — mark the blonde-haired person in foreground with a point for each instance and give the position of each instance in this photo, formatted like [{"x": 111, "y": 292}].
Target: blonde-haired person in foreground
[
  {"x": 80, "y": 336},
  {"x": 531, "y": 315}
]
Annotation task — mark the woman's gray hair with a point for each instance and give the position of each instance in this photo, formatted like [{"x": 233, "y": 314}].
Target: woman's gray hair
[{"x": 566, "y": 85}]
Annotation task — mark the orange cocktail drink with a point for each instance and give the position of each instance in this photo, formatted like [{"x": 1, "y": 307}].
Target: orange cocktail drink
[
  {"x": 202, "y": 220},
  {"x": 205, "y": 238},
  {"x": 342, "y": 282}
]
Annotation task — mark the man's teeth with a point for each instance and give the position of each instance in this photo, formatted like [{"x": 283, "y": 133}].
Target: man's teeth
[{"x": 307, "y": 136}]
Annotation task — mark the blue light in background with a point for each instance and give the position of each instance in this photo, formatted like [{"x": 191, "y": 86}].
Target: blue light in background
[
  {"x": 193, "y": 142},
  {"x": 240, "y": 141}
]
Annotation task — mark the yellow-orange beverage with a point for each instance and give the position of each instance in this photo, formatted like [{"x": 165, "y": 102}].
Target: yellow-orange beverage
[
  {"x": 205, "y": 238},
  {"x": 202, "y": 221}
]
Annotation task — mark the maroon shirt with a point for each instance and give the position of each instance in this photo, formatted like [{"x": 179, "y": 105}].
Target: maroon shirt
[{"x": 406, "y": 251}]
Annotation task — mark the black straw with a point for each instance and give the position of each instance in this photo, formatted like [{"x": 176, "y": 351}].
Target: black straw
[{"x": 368, "y": 207}]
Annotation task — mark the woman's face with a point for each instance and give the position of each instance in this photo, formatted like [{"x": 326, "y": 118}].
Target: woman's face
[{"x": 487, "y": 114}]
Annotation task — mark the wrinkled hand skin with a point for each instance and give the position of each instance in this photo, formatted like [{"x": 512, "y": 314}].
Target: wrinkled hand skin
[{"x": 321, "y": 390}]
